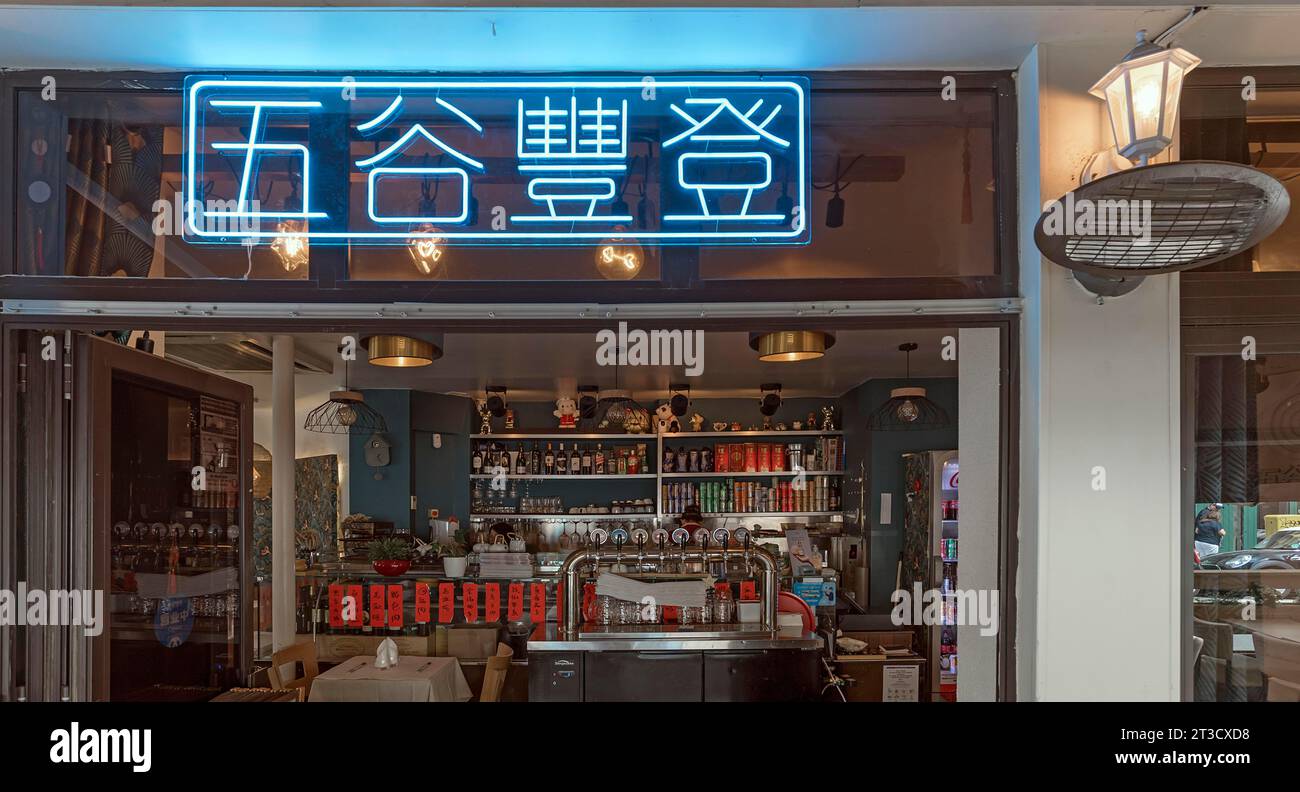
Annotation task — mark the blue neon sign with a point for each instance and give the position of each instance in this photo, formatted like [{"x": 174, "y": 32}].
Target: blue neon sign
[{"x": 716, "y": 160}]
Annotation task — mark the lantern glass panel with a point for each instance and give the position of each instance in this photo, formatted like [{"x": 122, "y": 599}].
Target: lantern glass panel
[
  {"x": 1173, "y": 90},
  {"x": 1117, "y": 105},
  {"x": 1147, "y": 85}
]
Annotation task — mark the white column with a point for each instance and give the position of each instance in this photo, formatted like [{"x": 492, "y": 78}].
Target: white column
[
  {"x": 1099, "y": 575},
  {"x": 979, "y": 433},
  {"x": 283, "y": 453}
]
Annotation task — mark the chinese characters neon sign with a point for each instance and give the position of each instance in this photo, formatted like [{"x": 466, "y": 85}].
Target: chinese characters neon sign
[{"x": 718, "y": 160}]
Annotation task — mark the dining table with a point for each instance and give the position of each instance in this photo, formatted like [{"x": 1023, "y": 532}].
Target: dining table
[{"x": 413, "y": 678}]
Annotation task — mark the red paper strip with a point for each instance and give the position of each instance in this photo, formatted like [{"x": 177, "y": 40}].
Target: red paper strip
[
  {"x": 721, "y": 586},
  {"x": 446, "y": 602},
  {"x": 469, "y": 601},
  {"x": 336, "y": 605},
  {"x": 492, "y": 601},
  {"x": 670, "y": 614},
  {"x": 396, "y": 605},
  {"x": 356, "y": 596},
  {"x": 515, "y": 602},
  {"x": 378, "y": 595},
  {"x": 748, "y": 593},
  {"x": 537, "y": 602},
  {"x": 421, "y": 603},
  {"x": 559, "y": 601}
]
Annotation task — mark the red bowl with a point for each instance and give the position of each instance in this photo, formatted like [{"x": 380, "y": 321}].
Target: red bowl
[{"x": 391, "y": 567}]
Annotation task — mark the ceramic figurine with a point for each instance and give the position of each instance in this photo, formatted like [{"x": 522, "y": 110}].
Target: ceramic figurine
[
  {"x": 486, "y": 426},
  {"x": 828, "y": 422},
  {"x": 665, "y": 421},
  {"x": 697, "y": 422},
  {"x": 566, "y": 410}
]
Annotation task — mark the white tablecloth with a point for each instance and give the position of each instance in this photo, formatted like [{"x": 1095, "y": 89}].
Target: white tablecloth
[{"x": 412, "y": 679}]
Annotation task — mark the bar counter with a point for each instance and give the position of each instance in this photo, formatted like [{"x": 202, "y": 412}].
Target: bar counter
[{"x": 670, "y": 638}]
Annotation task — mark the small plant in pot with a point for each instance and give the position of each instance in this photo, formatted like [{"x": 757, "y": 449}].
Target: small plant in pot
[
  {"x": 454, "y": 560},
  {"x": 389, "y": 557}
]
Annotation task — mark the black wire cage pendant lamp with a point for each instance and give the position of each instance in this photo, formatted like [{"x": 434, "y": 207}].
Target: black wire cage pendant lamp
[
  {"x": 346, "y": 412},
  {"x": 908, "y": 408}
]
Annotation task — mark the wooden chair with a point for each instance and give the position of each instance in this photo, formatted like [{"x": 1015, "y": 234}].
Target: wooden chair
[
  {"x": 494, "y": 678},
  {"x": 1280, "y": 662},
  {"x": 304, "y": 653}
]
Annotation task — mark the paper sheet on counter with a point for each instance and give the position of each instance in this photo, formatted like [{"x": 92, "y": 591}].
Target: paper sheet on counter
[{"x": 681, "y": 593}]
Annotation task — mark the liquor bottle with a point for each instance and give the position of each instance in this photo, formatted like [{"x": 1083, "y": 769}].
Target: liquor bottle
[
  {"x": 535, "y": 460},
  {"x": 575, "y": 461},
  {"x": 598, "y": 461},
  {"x": 706, "y": 460},
  {"x": 548, "y": 463},
  {"x": 521, "y": 463},
  {"x": 476, "y": 463},
  {"x": 561, "y": 462},
  {"x": 586, "y": 461}
]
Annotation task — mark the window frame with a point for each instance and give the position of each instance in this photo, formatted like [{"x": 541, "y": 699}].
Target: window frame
[{"x": 329, "y": 282}]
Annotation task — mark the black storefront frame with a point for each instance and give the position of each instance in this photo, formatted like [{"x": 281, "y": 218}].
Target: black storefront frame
[
  {"x": 328, "y": 280},
  {"x": 1009, "y": 407}
]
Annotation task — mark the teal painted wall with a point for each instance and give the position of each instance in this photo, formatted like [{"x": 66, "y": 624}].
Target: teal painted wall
[
  {"x": 883, "y": 453},
  {"x": 385, "y": 492}
]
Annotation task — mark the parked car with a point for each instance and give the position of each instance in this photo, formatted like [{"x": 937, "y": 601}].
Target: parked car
[{"x": 1280, "y": 551}]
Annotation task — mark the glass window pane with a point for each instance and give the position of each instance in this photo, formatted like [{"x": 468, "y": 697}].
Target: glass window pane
[
  {"x": 1245, "y": 527},
  {"x": 915, "y": 174}
]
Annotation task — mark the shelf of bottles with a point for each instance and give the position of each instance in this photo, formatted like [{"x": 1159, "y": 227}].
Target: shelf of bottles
[
  {"x": 948, "y": 522},
  {"x": 751, "y": 473},
  {"x": 515, "y": 474}
]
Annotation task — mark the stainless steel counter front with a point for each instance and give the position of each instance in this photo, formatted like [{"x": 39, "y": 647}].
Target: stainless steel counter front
[{"x": 670, "y": 638}]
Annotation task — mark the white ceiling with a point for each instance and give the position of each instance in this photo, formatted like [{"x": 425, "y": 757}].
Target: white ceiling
[
  {"x": 345, "y": 39},
  {"x": 540, "y": 366}
]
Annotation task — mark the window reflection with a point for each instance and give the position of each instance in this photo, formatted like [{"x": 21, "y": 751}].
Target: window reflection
[{"x": 1246, "y": 529}]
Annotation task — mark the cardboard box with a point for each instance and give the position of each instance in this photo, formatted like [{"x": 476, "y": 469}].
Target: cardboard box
[
  {"x": 881, "y": 677},
  {"x": 472, "y": 641}
]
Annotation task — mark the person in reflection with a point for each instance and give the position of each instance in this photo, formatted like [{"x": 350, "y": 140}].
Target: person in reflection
[{"x": 1209, "y": 529}]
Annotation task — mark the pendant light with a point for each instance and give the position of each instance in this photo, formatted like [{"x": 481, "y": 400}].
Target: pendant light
[
  {"x": 785, "y": 346},
  {"x": 346, "y": 412},
  {"x": 399, "y": 351},
  {"x": 908, "y": 408}
]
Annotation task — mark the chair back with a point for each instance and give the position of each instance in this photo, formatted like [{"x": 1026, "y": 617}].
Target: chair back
[
  {"x": 494, "y": 678},
  {"x": 304, "y": 653},
  {"x": 1280, "y": 661}
]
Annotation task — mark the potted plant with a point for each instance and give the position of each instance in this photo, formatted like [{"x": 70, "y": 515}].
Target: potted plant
[
  {"x": 390, "y": 557},
  {"x": 454, "y": 559}
]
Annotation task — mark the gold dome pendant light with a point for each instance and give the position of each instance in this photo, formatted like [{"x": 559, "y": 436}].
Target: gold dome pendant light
[
  {"x": 399, "y": 351},
  {"x": 783, "y": 346}
]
